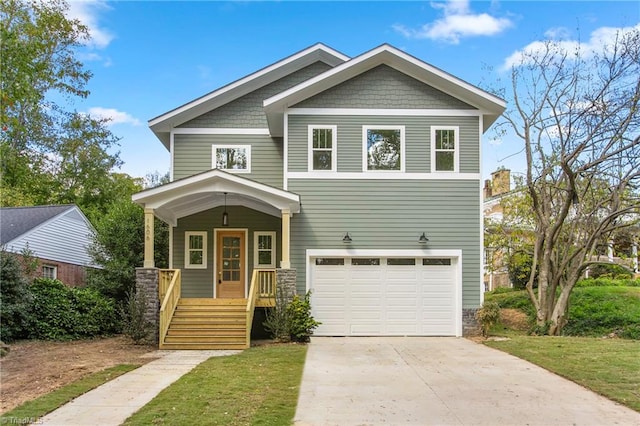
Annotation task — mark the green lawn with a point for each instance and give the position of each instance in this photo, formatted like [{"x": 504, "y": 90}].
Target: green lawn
[
  {"x": 49, "y": 402},
  {"x": 256, "y": 387},
  {"x": 610, "y": 367}
]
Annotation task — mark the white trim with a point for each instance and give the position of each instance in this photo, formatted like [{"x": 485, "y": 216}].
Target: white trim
[
  {"x": 390, "y": 112},
  {"x": 274, "y": 251},
  {"x": 172, "y": 153},
  {"x": 455, "y": 254},
  {"x": 218, "y": 131},
  {"x": 170, "y": 247},
  {"x": 187, "y": 249},
  {"x": 215, "y": 259},
  {"x": 481, "y": 212},
  {"x": 285, "y": 142},
  {"x": 384, "y": 175},
  {"x": 456, "y": 150},
  {"x": 365, "y": 152},
  {"x": 247, "y": 149},
  {"x": 334, "y": 146}
]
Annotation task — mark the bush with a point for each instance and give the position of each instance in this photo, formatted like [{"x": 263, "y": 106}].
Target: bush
[
  {"x": 519, "y": 268},
  {"x": 609, "y": 270},
  {"x": 290, "y": 319},
  {"x": 15, "y": 298},
  {"x": 134, "y": 323},
  {"x": 608, "y": 282},
  {"x": 488, "y": 315},
  {"x": 59, "y": 312}
]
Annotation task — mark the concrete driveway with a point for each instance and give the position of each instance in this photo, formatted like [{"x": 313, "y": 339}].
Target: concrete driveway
[{"x": 439, "y": 381}]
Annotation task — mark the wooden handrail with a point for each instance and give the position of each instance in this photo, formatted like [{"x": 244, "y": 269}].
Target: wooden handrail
[
  {"x": 170, "y": 300},
  {"x": 263, "y": 285},
  {"x": 251, "y": 306}
]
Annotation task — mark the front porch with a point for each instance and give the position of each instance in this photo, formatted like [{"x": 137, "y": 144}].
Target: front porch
[{"x": 228, "y": 235}]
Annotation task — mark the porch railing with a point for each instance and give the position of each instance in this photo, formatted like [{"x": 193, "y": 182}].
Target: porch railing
[
  {"x": 170, "y": 289},
  {"x": 262, "y": 288}
]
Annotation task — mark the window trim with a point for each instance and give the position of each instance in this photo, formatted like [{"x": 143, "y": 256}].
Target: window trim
[
  {"x": 187, "y": 258},
  {"x": 365, "y": 152},
  {"x": 215, "y": 147},
  {"x": 456, "y": 151},
  {"x": 54, "y": 268},
  {"x": 256, "y": 251},
  {"x": 334, "y": 146}
]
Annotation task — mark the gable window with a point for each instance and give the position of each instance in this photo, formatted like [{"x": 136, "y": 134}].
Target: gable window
[
  {"x": 383, "y": 148},
  {"x": 444, "y": 149},
  {"x": 235, "y": 158},
  {"x": 50, "y": 271},
  {"x": 195, "y": 250},
  {"x": 264, "y": 254},
  {"x": 322, "y": 148}
]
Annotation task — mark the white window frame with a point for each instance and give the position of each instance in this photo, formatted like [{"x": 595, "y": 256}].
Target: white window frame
[
  {"x": 365, "y": 152},
  {"x": 334, "y": 146},
  {"x": 456, "y": 151},
  {"x": 256, "y": 257},
  {"x": 187, "y": 258},
  {"x": 53, "y": 268},
  {"x": 247, "y": 148}
]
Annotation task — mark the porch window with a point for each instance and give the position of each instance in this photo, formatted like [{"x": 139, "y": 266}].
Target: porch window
[
  {"x": 444, "y": 149},
  {"x": 383, "y": 148},
  {"x": 50, "y": 271},
  {"x": 322, "y": 148},
  {"x": 235, "y": 158},
  {"x": 264, "y": 254},
  {"x": 195, "y": 253}
]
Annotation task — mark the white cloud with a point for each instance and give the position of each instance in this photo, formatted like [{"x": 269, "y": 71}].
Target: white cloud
[
  {"x": 458, "y": 22},
  {"x": 600, "y": 40},
  {"x": 113, "y": 115},
  {"x": 87, "y": 12}
]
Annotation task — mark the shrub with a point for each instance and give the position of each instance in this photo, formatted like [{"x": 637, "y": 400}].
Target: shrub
[
  {"x": 608, "y": 282},
  {"x": 59, "y": 312},
  {"x": 519, "y": 268},
  {"x": 134, "y": 322},
  {"x": 609, "y": 270},
  {"x": 301, "y": 320},
  {"x": 488, "y": 315},
  {"x": 290, "y": 319},
  {"x": 15, "y": 298}
]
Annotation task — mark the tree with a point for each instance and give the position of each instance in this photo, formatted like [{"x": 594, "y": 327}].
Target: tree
[
  {"x": 48, "y": 153},
  {"x": 577, "y": 114}
]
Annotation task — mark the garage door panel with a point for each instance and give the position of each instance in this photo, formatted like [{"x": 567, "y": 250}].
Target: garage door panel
[{"x": 363, "y": 299}]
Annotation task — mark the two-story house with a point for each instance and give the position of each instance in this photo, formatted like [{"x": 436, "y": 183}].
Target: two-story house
[{"x": 358, "y": 179}]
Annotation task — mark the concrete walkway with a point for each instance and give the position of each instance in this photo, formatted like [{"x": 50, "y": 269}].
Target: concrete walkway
[
  {"x": 439, "y": 381},
  {"x": 113, "y": 402}
]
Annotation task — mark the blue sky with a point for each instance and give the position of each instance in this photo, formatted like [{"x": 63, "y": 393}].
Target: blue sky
[{"x": 150, "y": 57}]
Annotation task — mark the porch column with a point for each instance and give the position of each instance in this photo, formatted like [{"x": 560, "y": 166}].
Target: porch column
[
  {"x": 148, "y": 239},
  {"x": 286, "y": 262}
]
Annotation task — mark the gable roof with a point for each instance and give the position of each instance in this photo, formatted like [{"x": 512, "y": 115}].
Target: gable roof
[
  {"x": 489, "y": 105},
  {"x": 163, "y": 124},
  {"x": 17, "y": 221}
]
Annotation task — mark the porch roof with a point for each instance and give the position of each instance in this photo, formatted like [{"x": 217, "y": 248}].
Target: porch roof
[{"x": 204, "y": 191}]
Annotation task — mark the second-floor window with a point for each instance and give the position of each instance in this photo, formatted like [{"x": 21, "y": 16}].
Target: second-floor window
[
  {"x": 383, "y": 148},
  {"x": 50, "y": 271},
  {"x": 322, "y": 148},
  {"x": 236, "y": 158},
  {"x": 444, "y": 149}
]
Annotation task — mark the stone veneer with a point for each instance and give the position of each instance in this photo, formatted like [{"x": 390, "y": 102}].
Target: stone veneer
[
  {"x": 286, "y": 282},
  {"x": 147, "y": 282},
  {"x": 470, "y": 325}
]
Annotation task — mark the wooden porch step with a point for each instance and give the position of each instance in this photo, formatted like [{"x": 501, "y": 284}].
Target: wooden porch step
[
  {"x": 207, "y": 323},
  {"x": 210, "y": 302},
  {"x": 209, "y": 314},
  {"x": 221, "y": 332},
  {"x": 202, "y": 346},
  {"x": 205, "y": 339}
]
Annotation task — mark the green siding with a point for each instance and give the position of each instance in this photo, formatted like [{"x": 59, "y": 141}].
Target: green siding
[
  {"x": 383, "y": 87},
  {"x": 193, "y": 154},
  {"x": 381, "y": 214},
  {"x": 199, "y": 282},
  {"x": 417, "y": 140},
  {"x": 247, "y": 111}
]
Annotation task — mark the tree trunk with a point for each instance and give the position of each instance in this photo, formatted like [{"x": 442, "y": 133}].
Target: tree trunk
[{"x": 558, "y": 318}]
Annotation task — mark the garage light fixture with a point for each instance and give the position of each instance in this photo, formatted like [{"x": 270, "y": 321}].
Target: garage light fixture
[
  {"x": 346, "y": 239},
  {"x": 423, "y": 239},
  {"x": 225, "y": 215}
]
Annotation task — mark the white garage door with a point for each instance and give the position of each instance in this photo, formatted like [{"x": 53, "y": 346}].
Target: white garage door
[{"x": 369, "y": 296}]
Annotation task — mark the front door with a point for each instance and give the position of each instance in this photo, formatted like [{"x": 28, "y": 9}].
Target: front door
[{"x": 230, "y": 264}]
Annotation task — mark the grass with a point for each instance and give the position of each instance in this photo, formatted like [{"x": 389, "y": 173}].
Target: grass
[
  {"x": 47, "y": 403},
  {"x": 256, "y": 387},
  {"x": 610, "y": 367}
]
